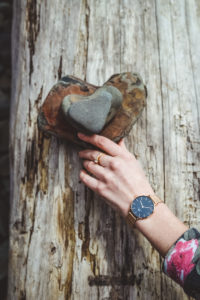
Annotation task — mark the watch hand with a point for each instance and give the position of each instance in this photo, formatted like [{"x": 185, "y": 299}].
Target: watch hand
[{"x": 141, "y": 204}]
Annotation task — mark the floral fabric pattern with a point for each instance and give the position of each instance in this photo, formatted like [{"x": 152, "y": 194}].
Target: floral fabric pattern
[
  {"x": 182, "y": 262},
  {"x": 179, "y": 262}
]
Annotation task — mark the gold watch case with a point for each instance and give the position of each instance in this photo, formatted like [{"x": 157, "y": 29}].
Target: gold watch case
[{"x": 131, "y": 218}]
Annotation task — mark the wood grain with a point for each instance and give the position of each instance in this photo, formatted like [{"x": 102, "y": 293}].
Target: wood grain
[{"x": 65, "y": 242}]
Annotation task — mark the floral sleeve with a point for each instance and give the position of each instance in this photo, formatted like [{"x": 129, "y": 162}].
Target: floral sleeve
[{"x": 182, "y": 262}]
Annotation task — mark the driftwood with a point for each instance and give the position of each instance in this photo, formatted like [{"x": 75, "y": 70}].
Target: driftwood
[{"x": 65, "y": 242}]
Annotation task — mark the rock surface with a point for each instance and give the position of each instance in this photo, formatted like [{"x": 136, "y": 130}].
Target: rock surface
[
  {"x": 64, "y": 102},
  {"x": 91, "y": 113}
]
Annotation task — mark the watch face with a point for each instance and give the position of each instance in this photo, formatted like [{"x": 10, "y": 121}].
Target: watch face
[{"x": 142, "y": 206}]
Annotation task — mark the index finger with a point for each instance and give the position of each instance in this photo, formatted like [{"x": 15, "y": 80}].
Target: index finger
[{"x": 102, "y": 143}]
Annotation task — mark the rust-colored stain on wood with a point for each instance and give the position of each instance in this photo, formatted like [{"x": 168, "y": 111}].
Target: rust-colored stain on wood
[
  {"x": 84, "y": 235},
  {"x": 65, "y": 221},
  {"x": 43, "y": 143}
]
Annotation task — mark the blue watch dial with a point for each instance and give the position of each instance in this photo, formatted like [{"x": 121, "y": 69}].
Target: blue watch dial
[{"x": 142, "y": 206}]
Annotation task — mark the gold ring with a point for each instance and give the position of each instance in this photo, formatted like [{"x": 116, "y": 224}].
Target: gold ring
[{"x": 97, "y": 159}]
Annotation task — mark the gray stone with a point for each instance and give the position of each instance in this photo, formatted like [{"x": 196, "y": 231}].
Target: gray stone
[{"x": 92, "y": 113}]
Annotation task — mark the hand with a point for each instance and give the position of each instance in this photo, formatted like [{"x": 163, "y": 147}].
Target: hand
[{"x": 118, "y": 178}]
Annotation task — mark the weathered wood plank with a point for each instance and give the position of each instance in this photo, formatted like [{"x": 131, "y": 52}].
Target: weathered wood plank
[
  {"x": 66, "y": 243},
  {"x": 180, "y": 111}
]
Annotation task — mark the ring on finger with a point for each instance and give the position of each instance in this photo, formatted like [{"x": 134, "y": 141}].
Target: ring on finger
[{"x": 97, "y": 159}]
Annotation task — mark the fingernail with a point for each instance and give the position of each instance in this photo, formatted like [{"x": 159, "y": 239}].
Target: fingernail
[{"x": 81, "y": 135}]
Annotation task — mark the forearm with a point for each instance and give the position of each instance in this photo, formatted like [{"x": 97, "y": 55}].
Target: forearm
[
  {"x": 119, "y": 178},
  {"x": 162, "y": 228}
]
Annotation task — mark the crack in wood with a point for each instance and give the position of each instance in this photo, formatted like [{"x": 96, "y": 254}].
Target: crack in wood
[
  {"x": 60, "y": 68},
  {"x": 87, "y": 18},
  {"x": 105, "y": 280},
  {"x": 33, "y": 28}
]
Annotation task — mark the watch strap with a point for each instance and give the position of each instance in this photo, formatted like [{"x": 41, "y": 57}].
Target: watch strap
[
  {"x": 155, "y": 199},
  {"x": 131, "y": 219}
]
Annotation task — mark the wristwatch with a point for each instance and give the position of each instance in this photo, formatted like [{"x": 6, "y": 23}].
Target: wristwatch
[{"x": 142, "y": 207}]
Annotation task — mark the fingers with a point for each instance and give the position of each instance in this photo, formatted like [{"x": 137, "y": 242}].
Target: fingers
[
  {"x": 126, "y": 152},
  {"x": 98, "y": 187},
  {"x": 91, "y": 182},
  {"x": 95, "y": 169},
  {"x": 104, "y": 160},
  {"x": 103, "y": 143},
  {"x": 122, "y": 144}
]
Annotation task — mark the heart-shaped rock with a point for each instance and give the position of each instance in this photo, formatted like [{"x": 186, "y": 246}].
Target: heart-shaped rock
[
  {"x": 62, "y": 118},
  {"x": 91, "y": 113}
]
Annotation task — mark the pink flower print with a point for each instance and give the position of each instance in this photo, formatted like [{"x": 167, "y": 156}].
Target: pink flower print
[{"x": 179, "y": 262}]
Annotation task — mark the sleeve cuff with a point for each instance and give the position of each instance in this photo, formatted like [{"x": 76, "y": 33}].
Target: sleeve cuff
[{"x": 182, "y": 261}]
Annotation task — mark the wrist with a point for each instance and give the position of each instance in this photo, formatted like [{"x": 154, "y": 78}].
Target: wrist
[
  {"x": 159, "y": 225},
  {"x": 162, "y": 228}
]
